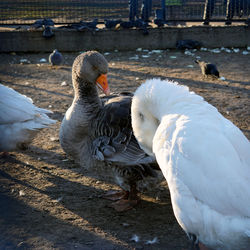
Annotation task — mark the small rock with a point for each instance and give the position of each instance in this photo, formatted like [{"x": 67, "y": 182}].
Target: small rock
[
  {"x": 236, "y": 50},
  {"x": 64, "y": 83},
  {"x": 215, "y": 51},
  {"x": 151, "y": 242},
  {"x": 21, "y": 193},
  {"x": 189, "y": 53},
  {"x": 203, "y": 49},
  {"x": 43, "y": 60},
  {"x": 157, "y": 51},
  {"x": 24, "y": 61},
  {"x": 222, "y": 78},
  {"x": 54, "y": 139},
  {"x": 136, "y": 57},
  {"x": 135, "y": 238}
]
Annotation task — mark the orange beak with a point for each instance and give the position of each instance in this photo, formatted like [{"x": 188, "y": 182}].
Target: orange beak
[{"x": 102, "y": 83}]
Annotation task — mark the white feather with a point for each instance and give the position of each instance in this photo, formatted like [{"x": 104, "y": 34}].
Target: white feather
[
  {"x": 20, "y": 119},
  {"x": 204, "y": 157}
]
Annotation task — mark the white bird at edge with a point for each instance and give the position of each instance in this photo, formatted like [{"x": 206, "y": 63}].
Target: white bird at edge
[
  {"x": 205, "y": 159},
  {"x": 20, "y": 120}
]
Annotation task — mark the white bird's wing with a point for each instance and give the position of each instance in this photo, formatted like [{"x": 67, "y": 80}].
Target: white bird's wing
[
  {"x": 15, "y": 107},
  {"x": 210, "y": 157}
]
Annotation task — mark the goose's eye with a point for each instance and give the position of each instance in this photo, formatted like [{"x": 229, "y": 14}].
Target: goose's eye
[{"x": 141, "y": 116}]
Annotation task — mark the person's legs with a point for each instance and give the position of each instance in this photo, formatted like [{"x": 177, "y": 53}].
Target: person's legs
[{"x": 208, "y": 11}]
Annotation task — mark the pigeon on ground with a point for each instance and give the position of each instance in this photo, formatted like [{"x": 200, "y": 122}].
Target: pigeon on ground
[
  {"x": 42, "y": 22},
  {"x": 55, "y": 58},
  {"x": 48, "y": 33},
  {"x": 208, "y": 69},
  {"x": 188, "y": 44},
  {"x": 109, "y": 24}
]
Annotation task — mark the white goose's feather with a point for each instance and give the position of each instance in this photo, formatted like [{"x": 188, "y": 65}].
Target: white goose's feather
[
  {"x": 205, "y": 159},
  {"x": 20, "y": 119}
]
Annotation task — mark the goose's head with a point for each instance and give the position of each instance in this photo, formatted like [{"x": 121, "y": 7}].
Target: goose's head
[
  {"x": 144, "y": 120},
  {"x": 91, "y": 67}
]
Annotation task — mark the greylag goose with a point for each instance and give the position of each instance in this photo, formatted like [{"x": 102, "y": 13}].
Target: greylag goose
[
  {"x": 97, "y": 132},
  {"x": 205, "y": 159},
  {"x": 20, "y": 120}
]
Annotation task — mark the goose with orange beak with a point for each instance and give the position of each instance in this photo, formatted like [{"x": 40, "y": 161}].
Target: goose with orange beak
[{"x": 96, "y": 132}]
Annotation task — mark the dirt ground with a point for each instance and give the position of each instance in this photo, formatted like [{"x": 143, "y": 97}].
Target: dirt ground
[{"x": 48, "y": 202}]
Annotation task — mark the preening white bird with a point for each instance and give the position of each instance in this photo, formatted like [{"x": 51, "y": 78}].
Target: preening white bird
[
  {"x": 205, "y": 159},
  {"x": 20, "y": 120}
]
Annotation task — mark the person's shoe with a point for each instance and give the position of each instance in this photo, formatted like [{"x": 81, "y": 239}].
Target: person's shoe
[
  {"x": 228, "y": 22},
  {"x": 206, "y": 23}
]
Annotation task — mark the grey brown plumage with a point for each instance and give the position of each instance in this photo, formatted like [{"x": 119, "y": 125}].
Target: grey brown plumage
[{"x": 96, "y": 131}]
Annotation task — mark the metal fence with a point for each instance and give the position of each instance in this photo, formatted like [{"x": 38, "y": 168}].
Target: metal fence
[{"x": 73, "y": 11}]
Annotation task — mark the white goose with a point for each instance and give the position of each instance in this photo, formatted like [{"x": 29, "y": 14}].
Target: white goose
[
  {"x": 20, "y": 120},
  {"x": 205, "y": 159}
]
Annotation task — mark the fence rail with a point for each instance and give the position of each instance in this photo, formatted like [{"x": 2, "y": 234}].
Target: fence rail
[{"x": 73, "y": 11}]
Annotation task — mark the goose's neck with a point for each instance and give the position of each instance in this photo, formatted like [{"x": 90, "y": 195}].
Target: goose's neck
[{"x": 86, "y": 94}]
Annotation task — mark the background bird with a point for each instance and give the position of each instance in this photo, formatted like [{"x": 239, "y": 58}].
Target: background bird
[
  {"x": 205, "y": 159},
  {"x": 109, "y": 23},
  {"x": 208, "y": 69},
  {"x": 96, "y": 132},
  {"x": 55, "y": 58},
  {"x": 188, "y": 44},
  {"x": 20, "y": 120}
]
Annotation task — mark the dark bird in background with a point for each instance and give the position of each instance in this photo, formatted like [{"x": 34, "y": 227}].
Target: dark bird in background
[
  {"x": 188, "y": 44},
  {"x": 48, "y": 33},
  {"x": 208, "y": 69},
  {"x": 55, "y": 58},
  {"x": 45, "y": 23},
  {"x": 91, "y": 25},
  {"x": 139, "y": 23},
  {"x": 109, "y": 24},
  {"x": 42, "y": 23},
  {"x": 83, "y": 26}
]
